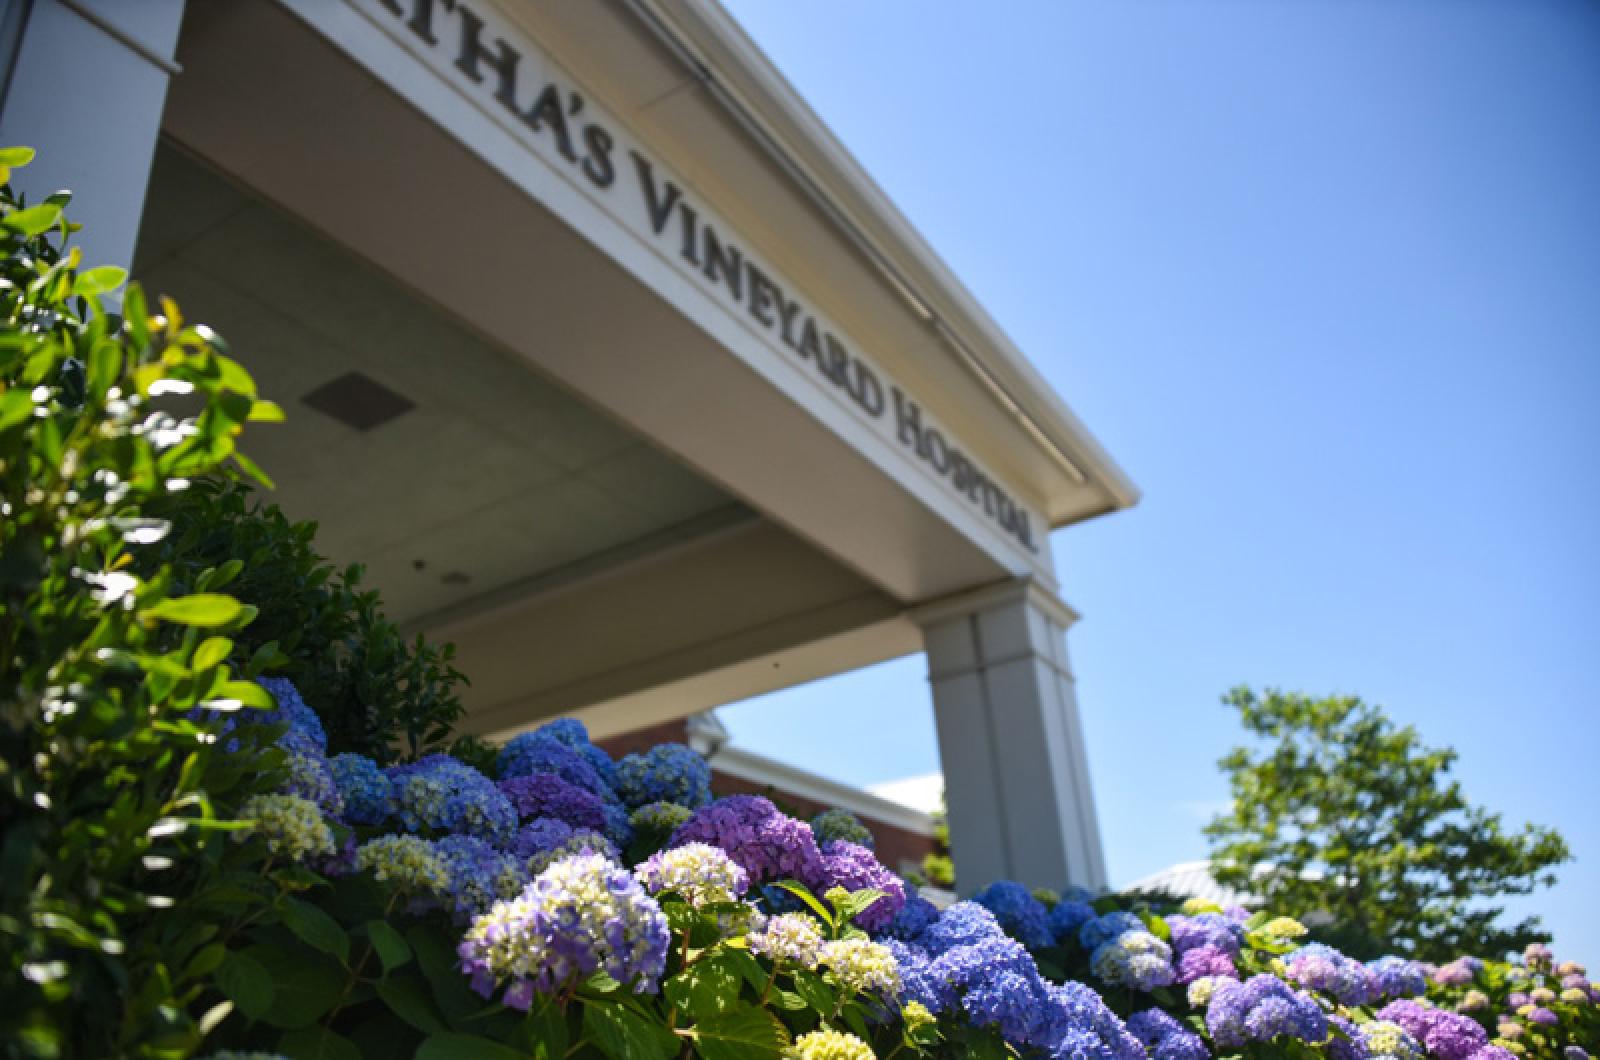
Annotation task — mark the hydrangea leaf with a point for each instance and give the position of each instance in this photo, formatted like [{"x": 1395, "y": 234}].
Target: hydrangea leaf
[{"x": 746, "y": 1033}]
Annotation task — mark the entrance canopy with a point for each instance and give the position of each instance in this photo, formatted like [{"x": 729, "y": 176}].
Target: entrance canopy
[{"x": 605, "y": 357}]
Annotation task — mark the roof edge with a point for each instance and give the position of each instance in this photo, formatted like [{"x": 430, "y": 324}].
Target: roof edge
[{"x": 739, "y": 74}]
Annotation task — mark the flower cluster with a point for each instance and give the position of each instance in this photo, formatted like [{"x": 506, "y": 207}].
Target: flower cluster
[
  {"x": 1135, "y": 959},
  {"x": 578, "y": 841},
  {"x": 535, "y": 795},
  {"x": 1022, "y": 915},
  {"x": 794, "y": 938},
  {"x": 1165, "y": 1037},
  {"x": 364, "y": 788},
  {"x": 1384, "y": 1040},
  {"x": 581, "y": 915},
  {"x": 669, "y": 772},
  {"x": 292, "y": 826},
  {"x": 1445, "y": 1035},
  {"x": 764, "y": 842},
  {"x": 1397, "y": 977},
  {"x": 701, "y": 875},
  {"x": 831, "y": 1045},
  {"x": 855, "y": 868},
  {"x": 1325, "y": 969},
  {"x": 831, "y": 825},
  {"x": 479, "y": 875},
  {"x": 862, "y": 965},
  {"x": 1260, "y": 1009},
  {"x": 440, "y": 794},
  {"x": 964, "y": 964},
  {"x": 409, "y": 865}
]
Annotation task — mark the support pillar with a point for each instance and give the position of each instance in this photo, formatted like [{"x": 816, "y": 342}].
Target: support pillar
[
  {"x": 86, "y": 90},
  {"x": 1016, "y": 775}
]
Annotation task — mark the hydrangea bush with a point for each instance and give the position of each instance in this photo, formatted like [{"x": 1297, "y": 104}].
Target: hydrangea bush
[{"x": 200, "y": 860}]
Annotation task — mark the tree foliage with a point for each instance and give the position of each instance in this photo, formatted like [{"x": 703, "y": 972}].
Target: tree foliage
[{"x": 1337, "y": 810}]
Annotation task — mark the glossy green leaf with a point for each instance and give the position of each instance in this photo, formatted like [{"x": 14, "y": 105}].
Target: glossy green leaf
[
  {"x": 389, "y": 945},
  {"x": 247, "y": 983},
  {"x": 200, "y": 609},
  {"x": 315, "y": 928},
  {"x": 747, "y": 1033},
  {"x": 33, "y": 220},
  {"x": 99, "y": 280},
  {"x": 620, "y": 1033},
  {"x": 16, "y": 157}
]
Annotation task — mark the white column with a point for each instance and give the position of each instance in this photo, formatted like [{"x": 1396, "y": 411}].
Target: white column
[
  {"x": 1016, "y": 775},
  {"x": 86, "y": 92}
]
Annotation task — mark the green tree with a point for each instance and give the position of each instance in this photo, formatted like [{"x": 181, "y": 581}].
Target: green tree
[{"x": 1341, "y": 816}]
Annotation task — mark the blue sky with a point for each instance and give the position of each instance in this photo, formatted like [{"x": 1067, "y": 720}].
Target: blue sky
[{"x": 1324, "y": 275}]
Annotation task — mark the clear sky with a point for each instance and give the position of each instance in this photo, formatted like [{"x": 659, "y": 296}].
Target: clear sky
[{"x": 1324, "y": 276}]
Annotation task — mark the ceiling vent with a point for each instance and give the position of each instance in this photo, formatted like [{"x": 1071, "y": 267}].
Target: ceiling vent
[{"x": 358, "y": 401}]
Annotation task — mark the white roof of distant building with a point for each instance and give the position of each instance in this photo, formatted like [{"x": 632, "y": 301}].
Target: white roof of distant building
[
  {"x": 1190, "y": 879},
  {"x": 924, "y": 793}
]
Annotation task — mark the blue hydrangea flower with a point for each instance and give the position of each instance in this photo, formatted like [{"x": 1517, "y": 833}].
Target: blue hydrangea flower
[
  {"x": 918, "y": 980},
  {"x": 309, "y": 774},
  {"x": 764, "y": 842},
  {"x": 480, "y": 875},
  {"x": 963, "y": 924},
  {"x": 291, "y": 710},
  {"x": 855, "y": 868},
  {"x": 1262, "y": 1008},
  {"x": 1022, "y": 915},
  {"x": 618, "y": 826},
  {"x": 1086, "y": 1027},
  {"x": 1102, "y": 929},
  {"x": 303, "y": 725},
  {"x": 581, "y": 915},
  {"x": 368, "y": 796},
  {"x": 1067, "y": 918},
  {"x": 668, "y": 772},
  {"x": 914, "y": 917},
  {"x": 440, "y": 794},
  {"x": 830, "y": 825},
  {"x": 539, "y": 752},
  {"x": 535, "y": 795},
  {"x": 571, "y": 732},
  {"x": 1398, "y": 977},
  {"x": 1165, "y": 1037}
]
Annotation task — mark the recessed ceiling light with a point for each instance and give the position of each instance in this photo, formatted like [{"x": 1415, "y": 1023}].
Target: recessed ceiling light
[{"x": 358, "y": 401}]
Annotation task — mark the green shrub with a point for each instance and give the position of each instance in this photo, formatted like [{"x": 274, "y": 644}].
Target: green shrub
[
  {"x": 109, "y": 793},
  {"x": 378, "y": 694}
]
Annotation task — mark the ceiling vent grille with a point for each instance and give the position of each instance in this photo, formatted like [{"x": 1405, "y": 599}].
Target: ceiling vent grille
[{"x": 358, "y": 401}]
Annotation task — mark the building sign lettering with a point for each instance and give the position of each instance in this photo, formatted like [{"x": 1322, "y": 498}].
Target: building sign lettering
[{"x": 558, "y": 117}]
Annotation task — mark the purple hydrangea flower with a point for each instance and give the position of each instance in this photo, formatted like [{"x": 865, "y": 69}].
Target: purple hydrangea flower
[
  {"x": 764, "y": 842},
  {"x": 1457, "y": 973},
  {"x": 535, "y": 795},
  {"x": 1446, "y": 1035},
  {"x": 581, "y": 915},
  {"x": 1020, "y": 914},
  {"x": 1202, "y": 961},
  {"x": 855, "y": 868},
  {"x": 1205, "y": 929},
  {"x": 1260, "y": 1009},
  {"x": 1324, "y": 968}
]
